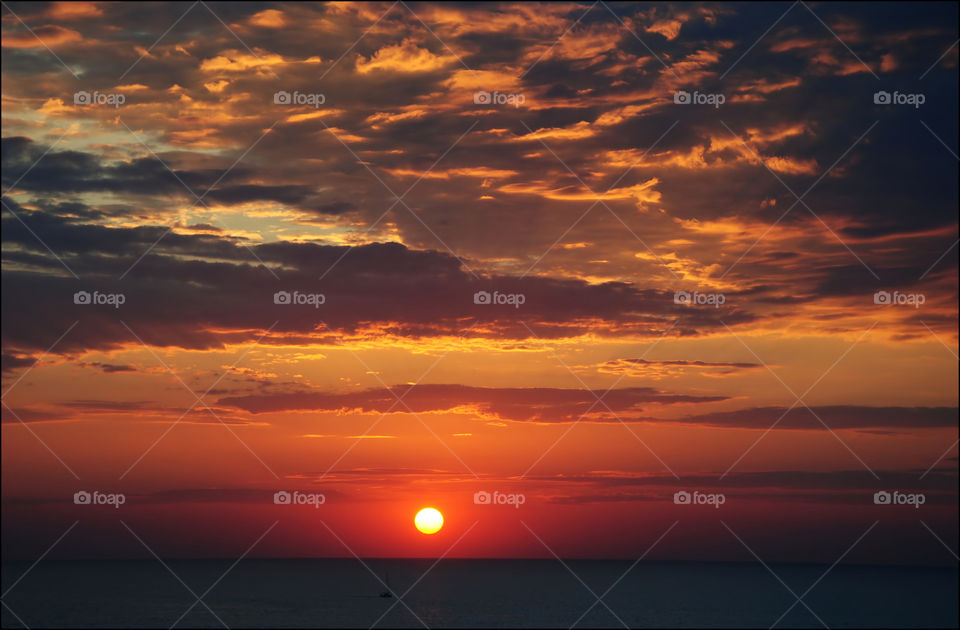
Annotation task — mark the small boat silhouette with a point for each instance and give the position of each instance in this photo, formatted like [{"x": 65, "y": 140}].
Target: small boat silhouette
[{"x": 387, "y": 593}]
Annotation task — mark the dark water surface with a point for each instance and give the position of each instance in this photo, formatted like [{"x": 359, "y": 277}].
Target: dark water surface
[{"x": 472, "y": 593}]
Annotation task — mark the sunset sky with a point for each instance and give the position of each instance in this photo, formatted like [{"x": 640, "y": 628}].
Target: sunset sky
[{"x": 387, "y": 165}]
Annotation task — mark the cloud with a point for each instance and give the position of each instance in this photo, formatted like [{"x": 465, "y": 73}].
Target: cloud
[
  {"x": 50, "y": 36},
  {"x": 108, "y": 368},
  {"x": 231, "y": 295},
  {"x": 549, "y": 405},
  {"x": 405, "y": 57},
  {"x": 653, "y": 367},
  {"x": 834, "y": 416},
  {"x": 151, "y": 411},
  {"x": 531, "y": 404},
  {"x": 15, "y": 415},
  {"x": 63, "y": 11},
  {"x": 843, "y": 487},
  {"x": 13, "y": 362},
  {"x": 269, "y": 18}
]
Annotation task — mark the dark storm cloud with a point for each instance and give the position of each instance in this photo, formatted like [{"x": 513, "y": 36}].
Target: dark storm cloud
[
  {"x": 399, "y": 99},
  {"x": 192, "y": 290},
  {"x": 823, "y": 89},
  {"x": 13, "y": 362},
  {"x": 79, "y": 172}
]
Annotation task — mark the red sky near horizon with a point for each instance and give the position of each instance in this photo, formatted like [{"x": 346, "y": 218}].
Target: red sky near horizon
[{"x": 401, "y": 254}]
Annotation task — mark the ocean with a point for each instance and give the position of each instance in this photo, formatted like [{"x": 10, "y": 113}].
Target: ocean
[{"x": 342, "y": 593}]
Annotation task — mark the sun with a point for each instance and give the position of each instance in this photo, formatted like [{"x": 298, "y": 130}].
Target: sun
[{"x": 428, "y": 521}]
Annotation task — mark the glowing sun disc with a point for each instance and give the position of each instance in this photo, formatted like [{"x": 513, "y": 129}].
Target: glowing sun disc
[{"x": 428, "y": 521}]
